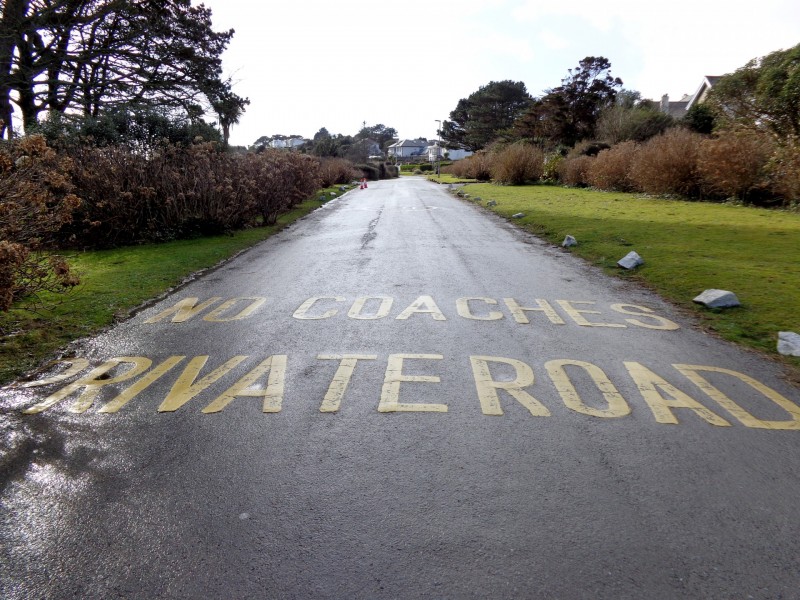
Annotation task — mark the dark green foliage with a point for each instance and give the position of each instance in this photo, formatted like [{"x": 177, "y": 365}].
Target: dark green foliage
[
  {"x": 485, "y": 114},
  {"x": 638, "y": 123},
  {"x": 569, "y": 112},
  {"x": 700, "y": 118},
  {"x": 370, "y": 171},
  {"x": 143, "y": 128},
  {"x": 91, "y": 57},
  {"x": 765, "y": 93}
]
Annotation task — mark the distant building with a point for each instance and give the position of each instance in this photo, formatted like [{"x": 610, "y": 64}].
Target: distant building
[
  {"x": 437, "y": 152},
  {"x": 292, "y": 142},
  {"x": 677, "y": 109},
  {"x": 407, "y": 149}
]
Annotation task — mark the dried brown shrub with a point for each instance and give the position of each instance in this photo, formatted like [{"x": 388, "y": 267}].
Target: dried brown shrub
[
  {"x": 784, "y": 170},
  {"x": 610, "y": 170},
  {"x": 336, "y": 170},
  {"x": 478, "y": 166},
  {"x": 667, "y": 164},
  {"x": 517, "y": 163},
  {"x": 573, "y": 170},
  {"x": 36, "y": 200},
  {"x": 183, "y": 192},
  {"x": 734, "y": 163}
]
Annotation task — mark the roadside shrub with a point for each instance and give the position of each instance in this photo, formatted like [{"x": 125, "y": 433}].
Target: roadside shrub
[
  {"x": 477, "y": 166},
  {"x": 181, "y": 191},
  {"x": 36, "y": 200},
  {"x": 610, "y": 170},
  {"x": 550, "y": 166},
  {"x": 371, "y": 172},
  {"x": 784, "y": 170},
  {"x": 667, "y": 164},
  {"x": 517, "y": 163},
  {"x": 336, "y": 170},
  {"x": 733, "y": 163},
  {"x": 572, "y": 170}
]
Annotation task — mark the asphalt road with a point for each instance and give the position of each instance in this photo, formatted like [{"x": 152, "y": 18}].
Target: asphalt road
[{"x": 402, "y": 396}]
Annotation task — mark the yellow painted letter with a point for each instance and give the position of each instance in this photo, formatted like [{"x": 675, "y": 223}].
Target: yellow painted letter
[
  {"x": 660, "y": 322},
  {"x": 129, "y": 393},
  {"x": 487, "y": 387},
  {"x": 651, "y": 386},
  {"x": 215, "y": 316},
  {"x": 337, "y": 388},
  {"x": 358, "y": 306},
  {"x": 390, "y": 394},
  {"x": 462, "y": 306},
  {"x": 76, "y": 365},
  {"x": 272, "y": 394},
  {"x": 302, "y": 312},
  {"x": 185, "y": 388},
  {"x": 578, "y": 317},
  {"x": 617, "y": 407},
  {"x": 423, "y": 304},
  {"x": 691, "y": 371},
  {"x": 93, "y": 381},
  {"x": 544, "y": 306},
  {"x": 184, "y": 310}
]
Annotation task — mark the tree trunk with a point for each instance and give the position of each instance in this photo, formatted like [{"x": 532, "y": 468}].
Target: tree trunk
[{"x": 13, "y": 13}]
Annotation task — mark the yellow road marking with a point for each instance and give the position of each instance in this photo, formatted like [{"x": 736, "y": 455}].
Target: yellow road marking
[
  {"x": 577, "y": 314},
  {"x": 273, "y": 394},
  {"x": 390, "y": 393},
  {"x": 691, "y": 372},
  {"x": 185, "y": 388},
  {"x": 92, "y": 382},
  {"x": 518, "y": 312},
  {"x": 463, "y": 309},
  {"x": 215, "y": 316},
  {"x": 338, "y": 386},
  {"x": 184, "y": 310},
  {"x": 651, "y": 387},
  {"x": 617, "y": 407},
  {"x": 487, "y": 387}
]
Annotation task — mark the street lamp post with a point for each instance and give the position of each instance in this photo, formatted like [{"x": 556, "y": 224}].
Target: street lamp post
[{"x": 438, "y": 149}]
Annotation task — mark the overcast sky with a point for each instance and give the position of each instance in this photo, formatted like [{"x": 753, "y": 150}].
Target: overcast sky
[{"x": 307, "y": 64}]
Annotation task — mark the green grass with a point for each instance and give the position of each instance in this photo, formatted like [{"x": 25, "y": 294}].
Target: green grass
[
  {"x": 112, "y": 283},
  {"x": 445, "y": 178},
  {"x": 687, "y": 247}
]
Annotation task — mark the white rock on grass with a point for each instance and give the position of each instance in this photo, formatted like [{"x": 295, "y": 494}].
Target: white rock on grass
[
  {"x": 491, "y": 203},
  {"x": 518, "y": 216},
  {"x": 569, "y": 241},
  {"x": 630, "y": 261},
  {"x": 789, "y": 343},
  {"x": 718, "y": 299}
]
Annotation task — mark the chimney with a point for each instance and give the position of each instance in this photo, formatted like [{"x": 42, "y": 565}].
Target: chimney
[{"x": 665, "y": 103}]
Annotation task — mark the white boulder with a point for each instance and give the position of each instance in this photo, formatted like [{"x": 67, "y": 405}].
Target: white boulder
[
  {"x": 630, "y": 261},
  {"x": 718, "y": 299},
  {"x": 789, "y": 343}
]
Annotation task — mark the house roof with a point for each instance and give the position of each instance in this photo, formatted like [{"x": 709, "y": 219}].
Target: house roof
[
  {"x": 709, "y": 81},
  {"x": 408, "y": 144}
]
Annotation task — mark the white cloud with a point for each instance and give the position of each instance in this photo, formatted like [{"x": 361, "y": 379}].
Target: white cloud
[{"x": 312, "y": 63}]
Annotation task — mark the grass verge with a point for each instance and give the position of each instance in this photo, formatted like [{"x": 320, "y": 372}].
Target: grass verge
[
  {"x": 112, "y": 283},
  {"x": 687, "y": 247},
  {"x": 447, "y": 178}
]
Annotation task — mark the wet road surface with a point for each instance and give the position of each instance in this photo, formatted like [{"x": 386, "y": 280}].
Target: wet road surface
[{"x": 402, "y": 396}]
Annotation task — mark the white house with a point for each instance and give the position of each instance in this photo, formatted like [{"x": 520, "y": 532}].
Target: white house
[
  {"x": 436, "y": 152},
  {"x": 407, "y": 148},
  {"x": 292, "y": 142}
]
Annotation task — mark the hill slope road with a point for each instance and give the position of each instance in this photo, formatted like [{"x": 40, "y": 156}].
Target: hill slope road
[{"x": 402, "y": 396}]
